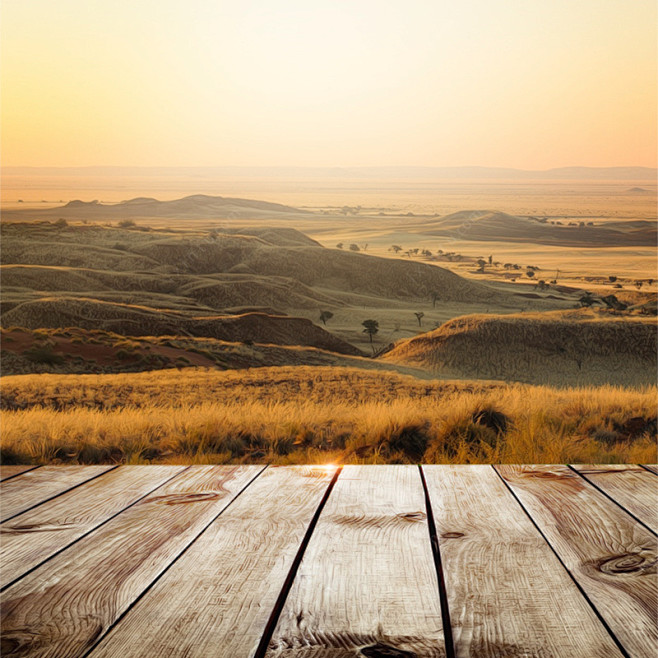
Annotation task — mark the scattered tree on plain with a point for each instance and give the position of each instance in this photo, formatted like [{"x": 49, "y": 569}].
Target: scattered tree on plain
[{"x": 419, "y": 316}]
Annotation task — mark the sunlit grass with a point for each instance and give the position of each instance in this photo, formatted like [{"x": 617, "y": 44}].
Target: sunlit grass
[{"x": 318, "y": 416}]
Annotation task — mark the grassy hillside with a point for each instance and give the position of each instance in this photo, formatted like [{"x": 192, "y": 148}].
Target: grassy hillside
[
  {"x": 80, "y": 351},
  {"x": 317, "y": 414},
  {"x": 561, "y": 348},
  {"x": 137, "y": 281}
]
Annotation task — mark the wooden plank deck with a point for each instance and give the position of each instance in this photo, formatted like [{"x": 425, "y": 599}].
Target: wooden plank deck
[{"x": 374, "y": 561}]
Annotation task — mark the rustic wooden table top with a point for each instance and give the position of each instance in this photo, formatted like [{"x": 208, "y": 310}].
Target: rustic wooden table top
[{"x": 375, "y": 561}]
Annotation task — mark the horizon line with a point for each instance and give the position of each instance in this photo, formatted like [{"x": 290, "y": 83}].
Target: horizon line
[{"x": 234, "y": 166}]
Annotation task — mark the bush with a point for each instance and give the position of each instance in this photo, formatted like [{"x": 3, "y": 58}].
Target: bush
[
  {"x": 43, "y": 355},
  {"x": 126, "y": 223}
]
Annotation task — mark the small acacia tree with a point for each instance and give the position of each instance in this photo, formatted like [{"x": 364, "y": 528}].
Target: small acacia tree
[
  {"x": 419, "y": 316},
  {"x": 326, "y": 315},
  {"x": 396, "y": 248},
  {"x": 371, "y": 327},
  {"x": 435, "y": 298}
]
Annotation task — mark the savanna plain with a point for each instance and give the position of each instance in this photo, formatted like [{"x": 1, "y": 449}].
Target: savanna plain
[{"x": 351, "y": 318}]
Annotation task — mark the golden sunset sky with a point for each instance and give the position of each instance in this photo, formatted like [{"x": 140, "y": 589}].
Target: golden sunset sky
[{"x": 513, "y": 83}]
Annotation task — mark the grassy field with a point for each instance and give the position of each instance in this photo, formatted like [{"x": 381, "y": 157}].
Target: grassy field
[
  {"x": 317, "y": 415},
  {"x": 223, "y": 334}
]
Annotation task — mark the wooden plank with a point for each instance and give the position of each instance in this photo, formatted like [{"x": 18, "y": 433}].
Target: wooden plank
[
  {"x": 222, "y": 591},
  {"x": 651, "y": 467},
  {"x": 7, "y": 472},
  {"x": 634, "y": 488},
  {"x": 64, "y": 606},
  {"x": 32, "y": 537},
  {"x": 611, "y": 556},
  {"x": 34, "y": 487},
  {"x": 367, "y": 582},
  {"x": 508, "y": 595}
]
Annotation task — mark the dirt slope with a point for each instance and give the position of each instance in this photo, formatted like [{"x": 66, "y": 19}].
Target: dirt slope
[{"x": 133, "y": 320}]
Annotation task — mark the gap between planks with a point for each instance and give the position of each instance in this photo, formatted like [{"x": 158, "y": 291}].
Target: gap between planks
[
  {"x": 610, "y": 556},
  {"x": 633, "y": 488},
  {"x": 105, "y": 573}
]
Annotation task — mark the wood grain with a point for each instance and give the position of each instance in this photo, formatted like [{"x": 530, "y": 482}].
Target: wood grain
[
  {"x": 33, "y": 487},
  {"x": 367, "y": 584},
  {"x": 222, "y": 591},
  {"x": 634, "y": 488},
  {"x": 32, "y": 537},
  {"x": 64, "y": 606},
  {"x": 12, "y": 471},
  {"x": 652, "y": 467},
  {"x": 508, "y": 595},
  {"x": 611, "y": 556}
]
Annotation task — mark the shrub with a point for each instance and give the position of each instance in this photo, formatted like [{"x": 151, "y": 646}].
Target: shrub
[{"x": 43, "y": 355}]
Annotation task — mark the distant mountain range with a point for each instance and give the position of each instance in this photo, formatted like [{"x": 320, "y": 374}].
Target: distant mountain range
[
  {"x": 561, "y": 173},
  {"x": 190, "y": 207}
]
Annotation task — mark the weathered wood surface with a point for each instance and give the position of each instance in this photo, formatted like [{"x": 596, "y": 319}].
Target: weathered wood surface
[
  {"x": 611, "y": 556},
  {"x": 632, "y": 487},
  {"x": 7, "y": 472},
  {"x": 526, "y": 603},
  {"x": 367, "y": 581},
  {"x": 30, "y": 538},
  {"x": 222, "y": 591},
  {"x": 234, "y": 561},
  {"x": 33, "y": 487},
  {"x": 651, "y": 467},
  {"x": 64, "y": 606}
]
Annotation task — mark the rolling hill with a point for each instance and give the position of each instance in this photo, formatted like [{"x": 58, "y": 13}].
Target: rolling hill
[
  {"x": 488, "y": 225},
  {"x": 196, "y": 206},
  {"x": 559, "y": 348},
  {"x": 264, "y": 285}
]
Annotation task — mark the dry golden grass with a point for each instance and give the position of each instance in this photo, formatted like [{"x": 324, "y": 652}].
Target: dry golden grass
[
  {"x": 575, "y": 347},
  {"x": 311, "y": 415}
]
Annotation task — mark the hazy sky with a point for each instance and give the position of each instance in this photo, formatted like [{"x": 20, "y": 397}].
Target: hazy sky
[{"x": 515, "y": 83}]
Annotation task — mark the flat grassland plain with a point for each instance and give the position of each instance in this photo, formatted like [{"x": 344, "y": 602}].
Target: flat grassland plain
[{"x": 350, "y": 318}]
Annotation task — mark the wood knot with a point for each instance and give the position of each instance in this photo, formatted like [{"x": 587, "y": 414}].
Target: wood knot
[
  {"x": 381, "y": 650},
  {"x": 412, "y": 516},
  {"x": 452, "y": 535},
  {"x": 181, "y": 498},
  {"x": 627, "y": 563},
  {"x": 16, "y": 643}
]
